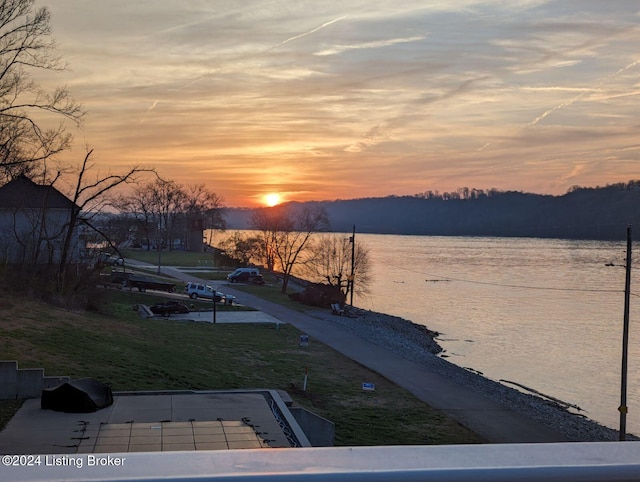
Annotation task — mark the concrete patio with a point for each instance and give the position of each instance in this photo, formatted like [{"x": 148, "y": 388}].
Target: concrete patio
[{"x": 163, "y": 421}]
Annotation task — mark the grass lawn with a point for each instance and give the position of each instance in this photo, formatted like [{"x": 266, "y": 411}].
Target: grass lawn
[
  {"x": 170, "y": 258},
  {"x": 271, "y": 293},
  {"x": 131, "y": 353},
  {"x": 174, "y": 258}
]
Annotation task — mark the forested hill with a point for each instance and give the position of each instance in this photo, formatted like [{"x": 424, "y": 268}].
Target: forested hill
[{"x": 582, "y": 213}]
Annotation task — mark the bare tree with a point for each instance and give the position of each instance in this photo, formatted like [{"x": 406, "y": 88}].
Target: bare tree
[
  {"x": 330, "y": 261},
  {"x": 169, "y": 199},
  {"x": 156, "y": 207},
  {"x": 271, "y": 222},
  {"x": 286, "y": 231},
  {"x": 139, "y": 204},
  {"x": 26, "y": 46},
  {"x": 203, "y": 210},
  {"x": 166, "y": 211},
  {"x": 88, "y": 196},
  {"x": 242, "y": 248}
]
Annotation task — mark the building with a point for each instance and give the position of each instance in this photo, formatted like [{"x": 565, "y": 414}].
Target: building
[{"x": 34, "y": 222}]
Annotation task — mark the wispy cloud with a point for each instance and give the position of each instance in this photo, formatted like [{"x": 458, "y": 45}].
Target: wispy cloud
[{"x": 338, "y": 49}]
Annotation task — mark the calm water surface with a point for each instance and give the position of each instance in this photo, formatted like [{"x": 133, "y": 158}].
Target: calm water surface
[{"x": 544, "y": 313}]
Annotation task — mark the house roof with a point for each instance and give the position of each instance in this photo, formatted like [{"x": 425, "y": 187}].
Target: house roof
[{"x": 22, "y": 192}]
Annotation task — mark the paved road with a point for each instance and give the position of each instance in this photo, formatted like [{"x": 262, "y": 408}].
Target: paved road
[{"x": 490, "y": 420}]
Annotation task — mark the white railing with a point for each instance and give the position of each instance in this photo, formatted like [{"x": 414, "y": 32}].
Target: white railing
[{"x": 610, "y": 461}]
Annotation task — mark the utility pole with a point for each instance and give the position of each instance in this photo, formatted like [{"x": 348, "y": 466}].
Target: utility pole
[
  {"x": 352, "y": 239},
  {"x": 625, "y": 342},
  {"x": 159, "y": 242},
  {"x": 214, "y": 306},
  {"x": 215, "y": 290}
]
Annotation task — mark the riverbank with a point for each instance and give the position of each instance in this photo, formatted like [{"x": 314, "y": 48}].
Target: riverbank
[{"x": 419, "y": 345}]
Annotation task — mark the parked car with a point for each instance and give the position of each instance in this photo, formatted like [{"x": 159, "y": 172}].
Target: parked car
[
  {"x": 112, "y": 259},
  {"x": 198, "y": 290},
  {"x": 237, "y": 272},
  {"x": 169, "y": 308},
  {"x": 115, "y": 261},
  {"x": 246, "y": 275}
]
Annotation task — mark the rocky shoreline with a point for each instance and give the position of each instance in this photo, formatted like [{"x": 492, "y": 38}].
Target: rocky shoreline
[{"x": 419, "y": 344}]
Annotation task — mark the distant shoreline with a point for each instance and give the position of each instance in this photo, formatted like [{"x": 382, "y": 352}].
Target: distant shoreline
[{"x": 486, "y": 213}]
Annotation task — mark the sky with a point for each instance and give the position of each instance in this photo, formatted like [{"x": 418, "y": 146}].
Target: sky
[{"x": 324, "y": 100}]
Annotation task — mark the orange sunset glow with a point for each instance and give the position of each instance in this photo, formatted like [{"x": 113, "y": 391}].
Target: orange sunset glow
[{"x": 340, "y": 100}]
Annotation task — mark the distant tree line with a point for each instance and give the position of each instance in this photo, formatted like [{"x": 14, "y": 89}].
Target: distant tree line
[
  {"x": 465, "y": 193},
  {"x": 601, "y": 213},
  {"x": 461, "y": 193},
  {"x": 581, "y": 213}
]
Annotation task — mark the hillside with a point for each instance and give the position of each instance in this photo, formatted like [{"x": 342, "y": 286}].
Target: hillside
[{"x": 581, "y": 213}]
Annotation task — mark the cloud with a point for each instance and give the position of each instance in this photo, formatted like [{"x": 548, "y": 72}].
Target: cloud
[
  {"x": 370, "y": 97},
  {"x": 305, "y": 34},
  {"x": 338, "y": 49}
]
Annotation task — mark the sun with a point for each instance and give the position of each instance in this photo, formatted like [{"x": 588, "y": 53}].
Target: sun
[{"x": 272, "y": 199}]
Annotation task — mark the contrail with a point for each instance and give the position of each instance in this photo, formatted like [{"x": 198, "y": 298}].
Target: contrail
[
  {"x": 553, "y": 109},
  {"x": 632, "y": 64},
  {"x": 296, "y": 37},
  {"x": 369, "y": 45},
  {"x": 567, "y": 103},
  {"x": 291, "y": 39},
  {"x": 153, "y": 106}
]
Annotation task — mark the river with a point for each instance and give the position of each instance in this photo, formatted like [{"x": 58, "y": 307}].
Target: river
[{"x": 545, "y": 313}]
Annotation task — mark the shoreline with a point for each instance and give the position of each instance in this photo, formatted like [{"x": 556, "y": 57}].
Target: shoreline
[{"x": 419, "y": 344}]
